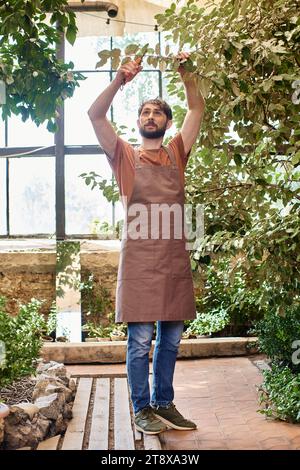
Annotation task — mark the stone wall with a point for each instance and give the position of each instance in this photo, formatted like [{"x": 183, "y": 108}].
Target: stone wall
[
  {"x": 27, "y": 275},
  {"x": 24, "y": 275}
]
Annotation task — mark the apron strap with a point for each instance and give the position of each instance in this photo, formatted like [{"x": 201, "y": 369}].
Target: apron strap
[
  {"x": 169, "y": 151},
  {"x": 171, "y": 155}
]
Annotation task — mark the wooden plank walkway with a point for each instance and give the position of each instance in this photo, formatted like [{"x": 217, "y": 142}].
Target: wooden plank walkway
[
  {"x": 122, "y": 420},
  {"x": 102, "y": 419},
  {"x": 73, "y": 439}
]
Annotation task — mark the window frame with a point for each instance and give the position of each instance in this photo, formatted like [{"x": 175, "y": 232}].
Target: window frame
[{"x": 60, "y": 151}]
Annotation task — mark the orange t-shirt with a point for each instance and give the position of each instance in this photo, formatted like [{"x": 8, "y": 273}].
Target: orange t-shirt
[{"x": 122, "y": 163}]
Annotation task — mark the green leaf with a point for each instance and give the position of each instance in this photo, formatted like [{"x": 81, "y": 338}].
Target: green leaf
[
  {"x": 52, "y": 126},
  {"x": 71, "y": 34},
  {"x": 131, "y": 49},
  {"x": 238, "y": 159},
  {"x": 296, "y": 158},
  {"x": 189, "y": 66}
]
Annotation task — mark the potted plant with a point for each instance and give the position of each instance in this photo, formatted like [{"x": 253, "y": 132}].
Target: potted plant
[
  {"x": 119, "y": 333},
  {"x": 96, "y": 333},
  {"x": 48, "y": 330}
]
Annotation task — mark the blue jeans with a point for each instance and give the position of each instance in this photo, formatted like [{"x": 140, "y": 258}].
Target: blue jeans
[{"x": 168, "y": 338}]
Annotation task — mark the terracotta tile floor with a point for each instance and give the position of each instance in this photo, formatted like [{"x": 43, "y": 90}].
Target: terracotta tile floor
[{"x": 220, "y": 395}]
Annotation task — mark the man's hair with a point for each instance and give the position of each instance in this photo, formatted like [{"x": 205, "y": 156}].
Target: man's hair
[{"x": 164, "y": 107}]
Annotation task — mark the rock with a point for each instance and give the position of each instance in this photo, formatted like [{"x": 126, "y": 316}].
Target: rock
[
  {"x": 29, "y": 408},
  {"x": 65, "y": 380},
  {"x": 43, "y": 382},
  {"x": 67, "y": 412},
  {"x": 72, "y": 385},
  {"x": 1, "y": 430},
  {"x": 27, "y": 433},
  {"x": 21, "y": 413},
  {"x": 50, "y": 406},
  {"x": 60, "y": 389},
  {"x": 29, "y": 423},
  {"x": 59, "y": 426},
  {"x": 4, "y": 412},
  {"x": 57, "y": 370},
  {"x": 43, "y": 367}
]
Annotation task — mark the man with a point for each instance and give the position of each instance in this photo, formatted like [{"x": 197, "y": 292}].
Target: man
[{"x": 154, "y": 278}]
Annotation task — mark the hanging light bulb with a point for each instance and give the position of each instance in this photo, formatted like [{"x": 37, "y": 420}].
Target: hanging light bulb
[
  {"x": 156, "y": 28},
  {"x": 108, "y": 21}
]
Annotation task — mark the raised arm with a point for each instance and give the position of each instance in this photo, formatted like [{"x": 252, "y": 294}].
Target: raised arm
[
  {"x": 196, "y": 105},
  {"x": 105, "y": 132}
]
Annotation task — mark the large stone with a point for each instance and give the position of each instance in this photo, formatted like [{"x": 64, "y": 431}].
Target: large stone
[
  {"x": 1, "y": 430},
  {"x": 67, "y": 412},
  {"x": 43, "y": 381},
  {"x": 72, "y": 385},
  {"x": 50, "y": 406},
  {"x": 29, "y": 408},
  {"x": 60, "y": 389},
  {"x": 58, "y": 426},
  {"x": 21, "y": 413},
  {"x": 53, "y": 368},
  {"x": 26, "y": 433},
  {"x": 29, "y": 423},
  {"x": 44, "y": 366}
]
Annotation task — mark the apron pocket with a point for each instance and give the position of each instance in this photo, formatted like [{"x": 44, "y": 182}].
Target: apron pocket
[
  {"x": 136, "y": 259},
  {"x": 181, "y": 265}
]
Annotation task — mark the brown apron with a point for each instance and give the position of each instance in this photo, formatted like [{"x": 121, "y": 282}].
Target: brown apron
[{"x": 154, "y": 277}]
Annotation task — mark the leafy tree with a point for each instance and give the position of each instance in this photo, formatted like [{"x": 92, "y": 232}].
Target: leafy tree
[
  {"x": 36, "y": 80},
  {"x": 245, "y": 167}
]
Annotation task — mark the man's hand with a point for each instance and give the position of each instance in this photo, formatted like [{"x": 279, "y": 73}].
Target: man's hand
[
  {"x": 192, "y": 121},
  {"x": 182, "y": 57},
  {"x": 128, "y": 71}
]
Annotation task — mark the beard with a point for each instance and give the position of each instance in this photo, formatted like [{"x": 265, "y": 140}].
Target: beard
[{"x": 153, "y": 134}]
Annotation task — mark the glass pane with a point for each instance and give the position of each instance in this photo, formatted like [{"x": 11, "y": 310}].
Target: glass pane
[
  {"x": 78, "y": 127},
  {"x": 32, "y": 195},
  {"x": 126, "y": 102},
  {"x": 2, "y": 196},
  {"x": 172, "y": 100},
  {"x": 84, "y": 52},
  {"x": 67, "y": 290},
  {"x": 142, "y": 39},
  {"x": 165, "y": 40},
  {"x": 24, "y": 134},
  {"x": 2, "y": 133},
  {"x": 86, "y": 209}
]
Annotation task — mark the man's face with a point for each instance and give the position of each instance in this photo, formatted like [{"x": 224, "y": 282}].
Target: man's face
[{"x": 153, "y": 122}]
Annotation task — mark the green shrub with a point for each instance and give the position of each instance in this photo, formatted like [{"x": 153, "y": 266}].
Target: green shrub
[
  {"x": 228, "y": 290},
  {"x": 280, "y": 394},
  {"x": 21, "y": 337},
  {"x": 97, "y": 302},
  {"x": 277, "y": 333},
  {"x": 208, "y": 323},
  {"x": 96, "y": 331}
]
